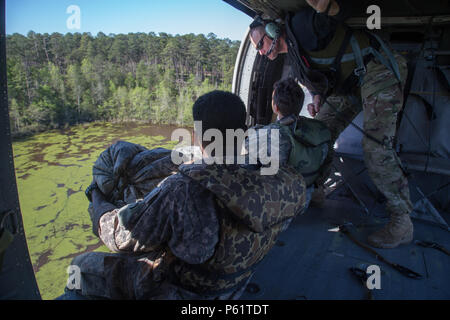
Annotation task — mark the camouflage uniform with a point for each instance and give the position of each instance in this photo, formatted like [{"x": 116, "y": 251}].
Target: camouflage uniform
[
  {"x": 198, "y": 235},
  {"x": 382, "y": 99},
  {"x": 284, "y": 149}
]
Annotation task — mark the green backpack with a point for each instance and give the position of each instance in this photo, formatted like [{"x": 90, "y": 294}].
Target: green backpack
[{"x": 310, "y": 139}]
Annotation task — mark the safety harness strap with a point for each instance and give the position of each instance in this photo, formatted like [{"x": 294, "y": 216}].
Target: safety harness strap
[
  {"x": 345, "y": 58},
  {"x": 358, "y": 54},
  {"x": 393, "y": 65},
  {"x": 360, "y": 70}
]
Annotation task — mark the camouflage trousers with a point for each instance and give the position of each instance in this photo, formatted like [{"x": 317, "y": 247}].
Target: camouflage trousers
[
  {"x": 122, "y": 276},
  {"x": 380, "y": 98}
]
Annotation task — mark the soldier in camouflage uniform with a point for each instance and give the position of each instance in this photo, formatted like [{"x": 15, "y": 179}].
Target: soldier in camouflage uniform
[
  {"x": 200, "y": 233},
  {"x": 318, "y": 32},
  {"x": 303, "y": 142},
  {"x": 381, "y": 101}
]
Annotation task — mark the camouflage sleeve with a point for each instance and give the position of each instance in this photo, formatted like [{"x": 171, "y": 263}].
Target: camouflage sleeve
[
  {"x": 179, "y": 214},
  {"x": 195, "y": 225},
  {"x": 261, "y": 137},
  {"x": 121, "y": 230},
  {"x": 115, "y": 236}
]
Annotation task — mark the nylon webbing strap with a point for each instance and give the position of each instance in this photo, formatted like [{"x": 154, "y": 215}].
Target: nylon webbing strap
[
  {"x": 358, "y": 55},
  {"x": 360, "y": 70},
  {"x": 337, "y": 61},
  {"x": 392, "y": 64},
  {"x": 345, "y": 58}
]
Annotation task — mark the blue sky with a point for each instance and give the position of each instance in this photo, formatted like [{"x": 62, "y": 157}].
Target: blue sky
[{"x": 115, "y": 16}]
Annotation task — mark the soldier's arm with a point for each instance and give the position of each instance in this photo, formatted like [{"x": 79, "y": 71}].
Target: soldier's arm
[
  {"x": 322, "y": 5},
  {"x": 116, "y": 235},
  {"x": 179, "y": 214}
]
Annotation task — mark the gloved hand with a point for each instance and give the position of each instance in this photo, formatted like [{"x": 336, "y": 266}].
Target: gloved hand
[{"x": 89, "y": 189}]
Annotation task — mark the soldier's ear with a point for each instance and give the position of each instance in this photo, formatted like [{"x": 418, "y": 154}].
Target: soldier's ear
[
  {"x": 275, "y": 108},
  {"x": 198, "y": 141}
]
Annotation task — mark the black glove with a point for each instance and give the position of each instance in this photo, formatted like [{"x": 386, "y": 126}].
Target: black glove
[{"x": 89, "y": 189}]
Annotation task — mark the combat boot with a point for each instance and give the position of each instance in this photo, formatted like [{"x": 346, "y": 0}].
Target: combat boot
[
  {"x": 398, "y": 231},
  {"x": 318, "y": 198}
]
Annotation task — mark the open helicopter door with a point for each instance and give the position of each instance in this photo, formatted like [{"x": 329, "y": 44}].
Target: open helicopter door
[{"x": 17, "y": 280}]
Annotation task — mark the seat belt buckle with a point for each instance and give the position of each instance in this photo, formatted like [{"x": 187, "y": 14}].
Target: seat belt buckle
[{"x": 360, "y": 71}]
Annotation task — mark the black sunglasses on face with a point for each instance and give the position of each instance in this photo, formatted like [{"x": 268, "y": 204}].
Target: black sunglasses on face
[{"x": 261, "y": 42}]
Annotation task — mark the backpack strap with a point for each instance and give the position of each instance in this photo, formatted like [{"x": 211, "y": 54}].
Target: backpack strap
[
  {"x": 390, "y": 63},
  {"x": 336, "y": 65},
  {"x": 360, "y": 70}
]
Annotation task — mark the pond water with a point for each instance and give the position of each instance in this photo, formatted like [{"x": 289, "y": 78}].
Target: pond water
[{"x": 52, "y": 170}]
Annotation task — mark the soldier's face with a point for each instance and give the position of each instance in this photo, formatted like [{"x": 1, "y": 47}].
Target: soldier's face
[{"x": 262, "y": 43}]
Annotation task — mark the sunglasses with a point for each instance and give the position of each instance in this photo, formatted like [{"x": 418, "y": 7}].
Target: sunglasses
[{"x": 261, "y": 42}]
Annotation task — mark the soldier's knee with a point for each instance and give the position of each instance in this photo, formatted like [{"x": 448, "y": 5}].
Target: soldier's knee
[
  {"x": 375, "y": 155},
  {"x": 369, "y": 146},
  {"x": 78, "y": 260}
]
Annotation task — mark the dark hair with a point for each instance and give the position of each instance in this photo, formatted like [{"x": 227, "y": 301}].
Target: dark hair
[
  {"x": 257, "y": 22},
  {"x": 288, "y": 96},
  {"x": 219, "y": 110}
]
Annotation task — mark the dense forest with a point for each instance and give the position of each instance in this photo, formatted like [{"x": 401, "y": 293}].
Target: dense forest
[{"x": 56, "y": 80}]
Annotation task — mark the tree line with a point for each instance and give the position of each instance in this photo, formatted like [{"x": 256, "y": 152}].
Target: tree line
[{"x": 56, "y": 80}]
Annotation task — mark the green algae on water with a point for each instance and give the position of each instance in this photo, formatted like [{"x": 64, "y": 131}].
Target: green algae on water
[{"x": 52, "y": 170}]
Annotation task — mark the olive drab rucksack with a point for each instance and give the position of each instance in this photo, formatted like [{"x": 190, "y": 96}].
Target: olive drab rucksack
[{"x": 310, "y": 139}]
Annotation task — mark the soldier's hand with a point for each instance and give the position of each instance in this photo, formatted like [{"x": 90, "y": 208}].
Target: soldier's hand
[
  {"x": 89, "y": 190},
  {"x": 318, "y": 5},
  {"x": 322, "y": 5},
  {"x": 314, "y": 107}
]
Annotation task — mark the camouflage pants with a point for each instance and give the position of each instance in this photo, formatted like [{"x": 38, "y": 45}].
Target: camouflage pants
[
  {"x": 127, "y": 276},
  {"x": 382, "y": 98}
]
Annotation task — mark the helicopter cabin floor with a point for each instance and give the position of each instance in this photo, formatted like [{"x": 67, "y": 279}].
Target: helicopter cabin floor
[{"x": 311, "y": 262}]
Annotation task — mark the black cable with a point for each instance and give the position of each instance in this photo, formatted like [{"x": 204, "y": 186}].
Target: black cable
[
  {"x": 433, "y": 99},
  {"x": 416, "y": 131}
]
